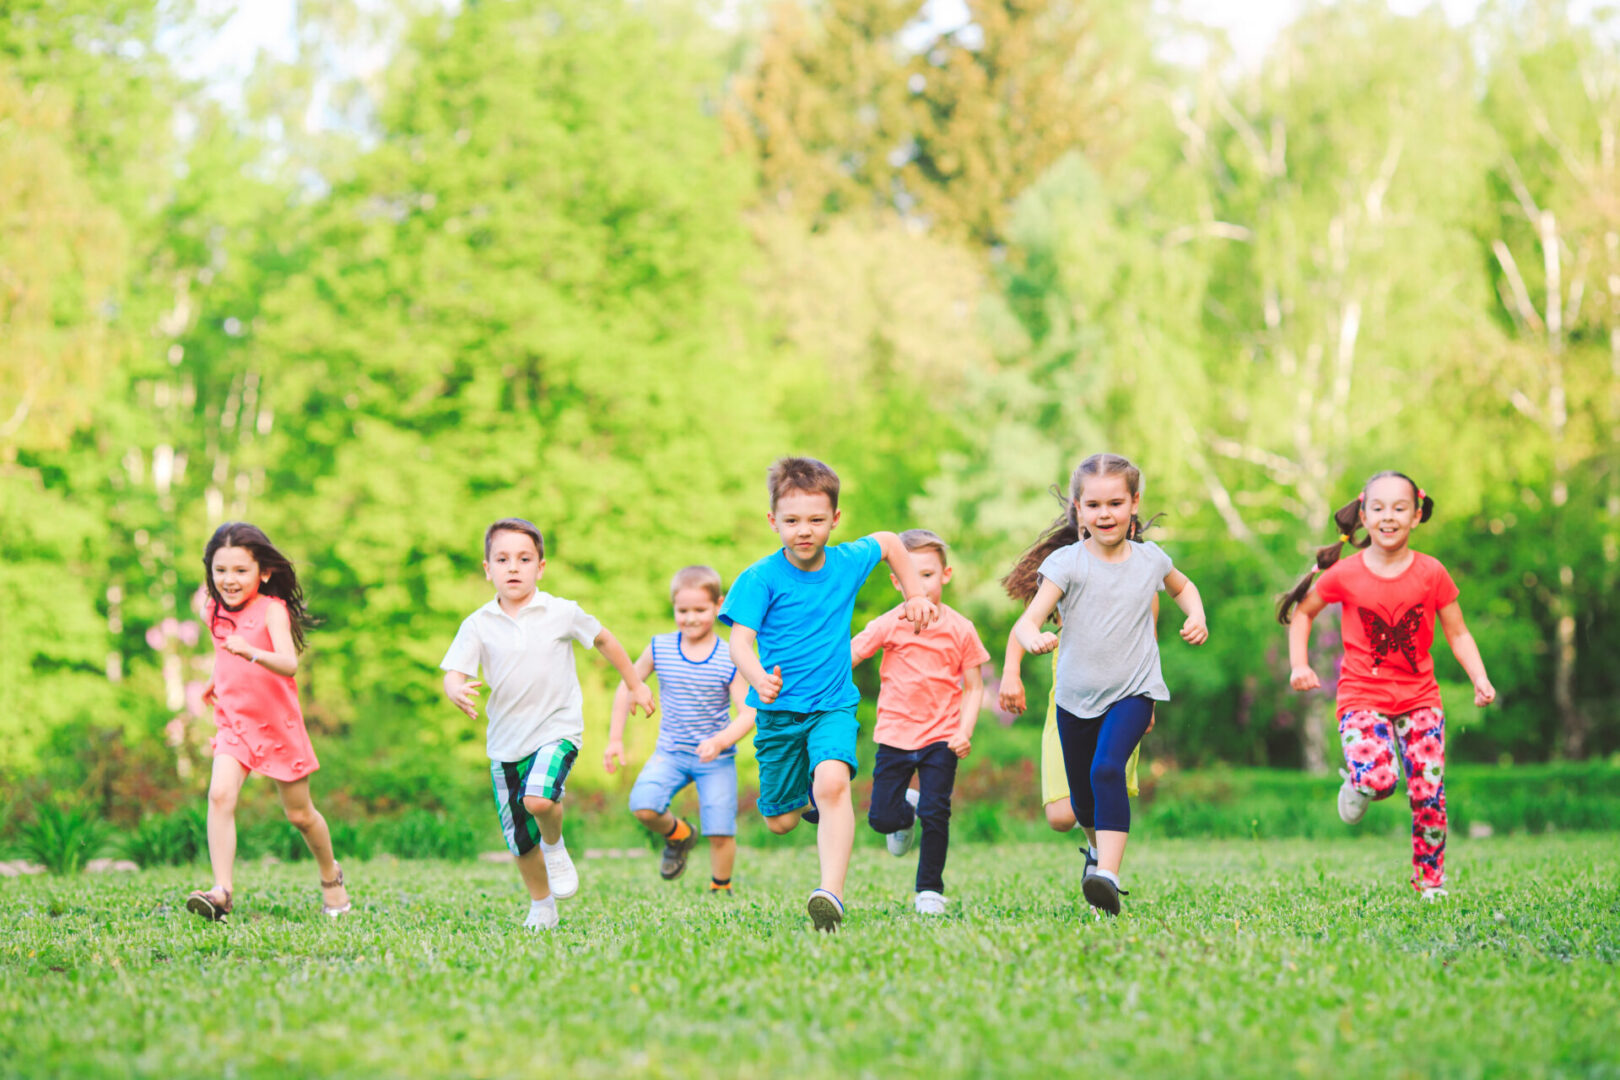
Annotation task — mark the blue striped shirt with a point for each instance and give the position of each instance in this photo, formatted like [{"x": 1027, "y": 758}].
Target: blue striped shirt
[{"x": 694, "y": 696}]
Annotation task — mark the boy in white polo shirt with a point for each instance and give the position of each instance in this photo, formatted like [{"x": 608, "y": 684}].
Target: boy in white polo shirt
[{"x": 524, "y": 640}]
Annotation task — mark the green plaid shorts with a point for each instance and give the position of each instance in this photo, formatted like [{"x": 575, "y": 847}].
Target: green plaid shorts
[{"x": 543, "y": 774}]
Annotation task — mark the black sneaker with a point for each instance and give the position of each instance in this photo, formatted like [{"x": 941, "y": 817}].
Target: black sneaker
[
  {"x": 1102, "y": 894},
  {"x": 674, "y": 861},
  {"x": 1091, "y": 860}
]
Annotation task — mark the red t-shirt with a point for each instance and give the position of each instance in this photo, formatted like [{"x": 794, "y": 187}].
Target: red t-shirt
[
  {"x": 920, "y": 701},
  {"x": 1388, "y": 627}
]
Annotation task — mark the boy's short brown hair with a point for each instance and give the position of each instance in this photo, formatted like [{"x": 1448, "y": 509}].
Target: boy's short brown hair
[
  {"x": 517, "y": 525},
  {"x": 926, "y": 540},
  {"x": 696, "y": 577},
  {"x": 804, "y": 474}
]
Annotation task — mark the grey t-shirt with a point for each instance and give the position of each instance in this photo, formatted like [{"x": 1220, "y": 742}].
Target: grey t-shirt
[{"x": 1109, "y": 651}]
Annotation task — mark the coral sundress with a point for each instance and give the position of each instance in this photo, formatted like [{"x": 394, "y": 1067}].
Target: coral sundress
[{"x": 257, "y": 713}]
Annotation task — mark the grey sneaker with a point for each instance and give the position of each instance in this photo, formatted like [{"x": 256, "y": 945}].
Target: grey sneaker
[
  {"x": 673, "y": 864},
  {"x": 929, "y": 902},
  {"x": 1352, "y": 803},
  {"x": 1431, "y": 893},
  {"x": 900, "y": 842},
  {"x": 1102, "y": 894}
]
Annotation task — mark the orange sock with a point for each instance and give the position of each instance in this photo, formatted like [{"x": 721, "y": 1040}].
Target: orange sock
[{"x": 680, "y": 832}]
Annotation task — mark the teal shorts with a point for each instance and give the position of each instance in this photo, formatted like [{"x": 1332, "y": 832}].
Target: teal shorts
[{"x": 789, "y": 746}]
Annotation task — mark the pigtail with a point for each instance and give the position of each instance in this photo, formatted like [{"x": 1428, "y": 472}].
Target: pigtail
[
  {"x": 1138, "y": 526},
  {"x": 1023, "y": 579},
  {"x": 1348, "y": 520}
]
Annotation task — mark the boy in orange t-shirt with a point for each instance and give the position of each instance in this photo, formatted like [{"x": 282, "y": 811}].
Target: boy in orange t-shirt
[{"x": 926, "y": 711}]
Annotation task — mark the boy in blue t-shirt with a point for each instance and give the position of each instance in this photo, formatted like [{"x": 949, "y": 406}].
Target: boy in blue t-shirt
[{"x": 797, "y": 604}]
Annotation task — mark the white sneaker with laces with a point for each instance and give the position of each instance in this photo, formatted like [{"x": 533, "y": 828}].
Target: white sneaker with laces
[
  {"x": 1352, "y": 803},
  {"x": 1432, "y": 893},
  {"x": 560, "y": 872},
  {"x": 930, "y": 903},
  {"x": 542, "y": 916},
  {"x": 900, "y": 842}
]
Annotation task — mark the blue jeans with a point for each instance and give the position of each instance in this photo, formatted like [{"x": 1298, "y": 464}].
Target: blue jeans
[
  {"x": 667, "y": 771},
  {"x": 935, "y": 766},
  {"x": 1095, "y": 751}
]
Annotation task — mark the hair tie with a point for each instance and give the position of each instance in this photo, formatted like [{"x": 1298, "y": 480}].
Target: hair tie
[
  {"x": 1344, "y": 538},
  {"x": 1421, "y": 495},
  {"x": 1362, "y": 497}
]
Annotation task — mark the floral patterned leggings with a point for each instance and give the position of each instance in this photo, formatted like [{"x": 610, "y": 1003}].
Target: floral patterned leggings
[{"x": 1372, "y": 741}]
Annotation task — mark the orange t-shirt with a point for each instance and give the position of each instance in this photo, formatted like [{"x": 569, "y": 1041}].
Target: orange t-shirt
[
  {"x": 1388, "y": 628},
  {"x": 921, "y": 699}
]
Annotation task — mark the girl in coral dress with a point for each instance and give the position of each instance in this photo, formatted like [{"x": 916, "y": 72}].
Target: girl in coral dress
[
  {"x": 1388, "y": 699},
  {"x": 255, "y": 612}
]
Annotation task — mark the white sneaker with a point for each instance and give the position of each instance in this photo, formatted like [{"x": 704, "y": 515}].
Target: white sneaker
[
  {"x": 930, "y": 903},
  {"x": 560, "y": 872},
  {"x": 1352, "y": 803},
  {"x": 900, "y": 842},
  {"x": 541, "y": 917},
  {"x": 1432, "y": 893}
]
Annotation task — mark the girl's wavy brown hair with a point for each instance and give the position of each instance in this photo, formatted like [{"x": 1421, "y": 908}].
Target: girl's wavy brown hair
[{"x": 1024, "y": 578}]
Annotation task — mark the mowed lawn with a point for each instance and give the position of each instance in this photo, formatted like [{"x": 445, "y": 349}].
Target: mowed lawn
[{"x": 1234, "y": 958}]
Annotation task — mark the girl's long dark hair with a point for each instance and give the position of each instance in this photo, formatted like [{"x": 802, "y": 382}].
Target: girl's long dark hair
[
  {"x": 1023, "y": 579},
  {"x": 1347, "y": 519},
  {"x": 283, "y": 583}
]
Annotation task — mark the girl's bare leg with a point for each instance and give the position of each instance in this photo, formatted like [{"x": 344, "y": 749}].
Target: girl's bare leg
[
  {"x": 303, "y": 816},
  {"x": 1110, "y": 849},
  {"x": 223, "y": 787}
]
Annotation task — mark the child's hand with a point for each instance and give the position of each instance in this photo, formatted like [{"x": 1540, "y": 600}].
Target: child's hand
[
  {"x": 1044, "y": 643},
  {"x": 709, "y": 748},
  {"x": 613, "y": 756},
  {"x": 1484, "y": 692},
  {"x": 920, "y": 612},
  {"x": 772, "y": 687},
  {"x": 1194, "y": 631},
  {"x": 642, "y": 698},
  {"x": 960, "y": 744},
  {"x": 208, "y": 697},
  {"x": 237, "y": 644},
  {"x": 465, "y": 698},
  {"x": 1303, "y": 678},
  {"x": 1011, "y": 698}
]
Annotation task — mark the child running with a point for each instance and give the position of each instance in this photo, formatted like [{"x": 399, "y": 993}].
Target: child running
[
  {"x": 1103, "y": 579},
  {"x": 255, "y": 614},
  {"x": 696, "y": 736},
  {"x": 524, "y": 640},
  {"x": 926, "y": 711},
  {"x": 1388, "y": 700},
  {"x": 796, "y": 604}
]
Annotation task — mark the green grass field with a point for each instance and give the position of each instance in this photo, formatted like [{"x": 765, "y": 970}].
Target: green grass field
[{"x": 1234, "y": 958}]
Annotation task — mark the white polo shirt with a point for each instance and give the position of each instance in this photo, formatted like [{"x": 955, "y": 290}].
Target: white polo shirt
[{"x": 532, "y": 689}]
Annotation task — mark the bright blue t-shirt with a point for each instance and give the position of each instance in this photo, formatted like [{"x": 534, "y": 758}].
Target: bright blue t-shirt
[{"x": 802, "y": 619}]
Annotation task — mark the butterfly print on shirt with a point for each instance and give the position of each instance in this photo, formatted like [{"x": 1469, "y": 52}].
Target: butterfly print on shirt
[{"x": 1386, "y": 639}]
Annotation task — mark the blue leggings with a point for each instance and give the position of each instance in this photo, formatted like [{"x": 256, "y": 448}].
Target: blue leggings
[{"x": 1094, "y": 756}]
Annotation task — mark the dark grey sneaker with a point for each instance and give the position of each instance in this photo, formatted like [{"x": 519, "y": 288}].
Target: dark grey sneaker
[
  {"x": 673, "y": 864},
  {"x": 1091, "y": 860},
  {"x": 1102, "y": 894}
]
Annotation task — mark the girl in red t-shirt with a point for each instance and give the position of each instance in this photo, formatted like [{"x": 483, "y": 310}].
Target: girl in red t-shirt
[
  {"x": 255, "y": 614},
  {"x": 1388, "y": 701}
]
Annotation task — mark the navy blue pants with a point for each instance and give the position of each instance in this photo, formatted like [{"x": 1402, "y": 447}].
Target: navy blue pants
[
  {"x": 1094, "y": 755},
  {"x": 935, "y": 766}
]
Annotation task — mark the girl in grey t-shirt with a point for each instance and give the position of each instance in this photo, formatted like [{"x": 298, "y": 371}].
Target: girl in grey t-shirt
[{"x": 1092, "y": 567}]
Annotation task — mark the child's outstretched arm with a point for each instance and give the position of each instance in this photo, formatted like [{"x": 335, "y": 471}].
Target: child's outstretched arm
[
  {"x": 462, "y": 690},
  {"x": 1195, "y": 631},
  {"x": 767, "y": 686},
  {"x": 1303, "y": 676},
  {"x": 919, "y": 611},
  {"x": 972, "y": 698},
  {"x": 283, "y": 660},
  {"x": 1011, "y": 698},
  {"x": 732, "y": 733},
  {"x": 1028, "y": 627},
  {"x": 608, "y": 645},
  {"x": 1466, "y": 652},
  {"x": 613, "y": 753}
]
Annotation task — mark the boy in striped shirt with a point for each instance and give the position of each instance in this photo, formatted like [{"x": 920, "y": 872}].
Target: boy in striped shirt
[{"x": 698, "y": 683}]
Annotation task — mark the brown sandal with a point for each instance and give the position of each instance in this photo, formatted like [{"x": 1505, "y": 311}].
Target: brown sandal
[
  {"x": 202, "y": 903},
  {"x": 326, "y": 909}
]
